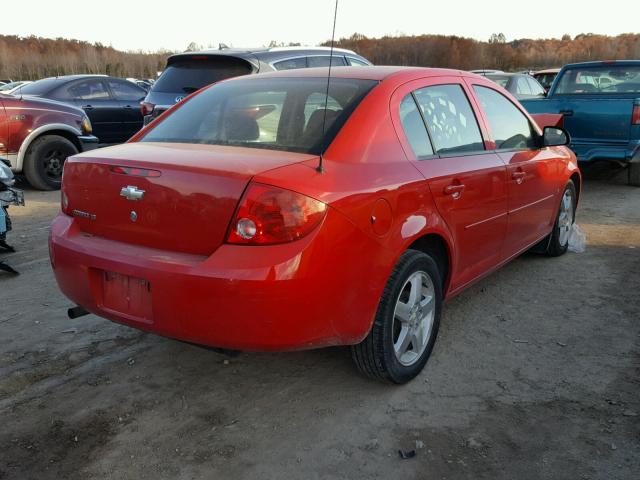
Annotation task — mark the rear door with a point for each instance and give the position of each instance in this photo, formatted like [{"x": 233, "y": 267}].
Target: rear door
[
  {"x": 93, "y": 96},
  {"x": 468, "y": 183},
  {"x": 128, "y": 96},
  {"x": 532, "y": 171}
]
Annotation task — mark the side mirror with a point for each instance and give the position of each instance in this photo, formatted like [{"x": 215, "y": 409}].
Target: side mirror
[{"x": 555, "y": 137}]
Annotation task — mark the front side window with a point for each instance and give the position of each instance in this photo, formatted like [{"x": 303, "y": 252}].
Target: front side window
[
  {"x": 274, "y": 113},
  {"x": 126, "y": 91},
  {"x": 600, "y": 80},
  {"x": 522, "y": 86},
  {"x": 536, "y": 88},
  {"x": 450, "y": 119},
  {"x": 414, "y": 128},
  {"x": 510, "y": 127}
]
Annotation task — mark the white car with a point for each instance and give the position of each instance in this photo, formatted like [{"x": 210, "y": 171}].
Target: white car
[{"x": 12, "y": 87}]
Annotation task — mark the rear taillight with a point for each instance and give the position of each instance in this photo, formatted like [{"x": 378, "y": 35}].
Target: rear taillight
[
  {"x": 146, "y": 108},
  {"x": 269, "y": 215},
  {"x": 635, "y": 115}
]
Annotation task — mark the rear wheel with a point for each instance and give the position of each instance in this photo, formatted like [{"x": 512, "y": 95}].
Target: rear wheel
[
  {"x": 559, "y": 238},
  {"x": 45, "y": 159},
  {"x": 406, "y": 323},
  {"x": 634, "y": 174}
]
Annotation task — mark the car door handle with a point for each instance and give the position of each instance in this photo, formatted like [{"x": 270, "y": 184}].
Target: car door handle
[
  {"x": 87, "y": 107},
  {"x": 454, "y": 190},
  {"x": 518, "y": 176},
  {"x": 567, "y": 113},
  {"x": 128, "y": 107}
]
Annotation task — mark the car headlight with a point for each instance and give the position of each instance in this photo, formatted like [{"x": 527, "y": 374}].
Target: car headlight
[{"x": 86, "y": 126}]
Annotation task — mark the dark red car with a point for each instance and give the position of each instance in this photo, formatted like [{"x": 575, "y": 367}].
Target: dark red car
[
  {"x": 37, "y": 135},
  {"x": 218, "y": 225}
]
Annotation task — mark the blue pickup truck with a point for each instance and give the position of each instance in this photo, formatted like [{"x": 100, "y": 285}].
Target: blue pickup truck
[{"x": 600, "y": 102}]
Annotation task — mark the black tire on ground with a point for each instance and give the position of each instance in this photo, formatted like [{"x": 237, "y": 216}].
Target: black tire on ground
[
  {"x": 634, "y": 174},
  {"x": 556, "y": 246},
  {"x": 44, "y": 161},
  {"x": 375, "y": 356}
]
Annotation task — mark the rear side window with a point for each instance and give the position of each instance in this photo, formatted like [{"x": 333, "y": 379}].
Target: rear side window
[
  {"x": 189, "y": 75},
  {"x": 354, "y": 62},
  {"x": 414, "y": 128},
  {"x": 510, "y": 127},
  {"x": 450, "y": 119},
  {"x": 274, "y": 113},
  {"x": 124, "y": 90},
  {"x": 604, "y": 79},
  {"x": 291, "y": 64}
]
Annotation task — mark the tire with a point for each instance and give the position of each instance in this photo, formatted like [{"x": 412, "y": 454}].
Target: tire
[
  {"x": 559, "y": 238},
  {"x": 634, "y": 174},
  {"x": 380, "y": 355},
  {"x": 45, "y": 159}
]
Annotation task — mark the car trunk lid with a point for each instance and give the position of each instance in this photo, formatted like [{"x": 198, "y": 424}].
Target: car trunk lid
[{"x": 177, "y": 197}]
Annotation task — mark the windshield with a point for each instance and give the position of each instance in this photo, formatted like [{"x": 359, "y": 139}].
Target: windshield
[
  {"x": 600, "y": 80},
  {"x": 191, "y": 74},
  {"x": 276, "y": 113}
]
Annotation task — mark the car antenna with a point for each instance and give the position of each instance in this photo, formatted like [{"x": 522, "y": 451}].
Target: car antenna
[{"x": 320, "y": 167}]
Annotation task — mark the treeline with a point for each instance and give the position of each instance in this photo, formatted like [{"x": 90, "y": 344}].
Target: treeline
[
  {"x": 496, "y": 53},
  {"x": 32, "y": 58}
]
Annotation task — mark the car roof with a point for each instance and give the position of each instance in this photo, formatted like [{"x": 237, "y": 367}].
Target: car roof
[
  {"x": 603, "y": 63},
  {"x": 378, "y": 73},
  {"x": 265, "y": 54}
]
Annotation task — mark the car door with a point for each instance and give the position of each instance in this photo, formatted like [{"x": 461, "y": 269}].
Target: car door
[
  {"x": 4, "y": 131},
  {"x": 531, "y": 170},
  {"x": 128, "y": 96},
  {"x": 92, "y": 95},
  {"x": 467, "y": 182}
]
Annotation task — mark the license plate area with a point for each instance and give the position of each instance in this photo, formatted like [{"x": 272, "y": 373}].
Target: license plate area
[{"x": 128, "y": 296}]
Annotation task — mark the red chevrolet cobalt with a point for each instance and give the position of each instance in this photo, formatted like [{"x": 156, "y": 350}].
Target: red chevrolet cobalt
[{"x": 259, "y": 215}]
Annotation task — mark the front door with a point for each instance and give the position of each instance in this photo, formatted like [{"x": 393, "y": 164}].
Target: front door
[
  {"x": 468, "y": 183},
  {"x": 532, "y": 171}
]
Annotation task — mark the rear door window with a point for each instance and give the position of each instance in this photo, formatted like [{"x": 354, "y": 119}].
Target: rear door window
[
  {"x": 323, "y": 61},
  {"x": 510, "y": 128},
  {"x": 89, "y": 89},
  {"x": 291, "y": 64},
  {"x": 450, "y": 119}
]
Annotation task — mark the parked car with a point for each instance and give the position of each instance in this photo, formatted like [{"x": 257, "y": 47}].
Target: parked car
[
  {"x": 112, "y": 104},
  {"x": 37, "y": 136},
  {"x": 546, "y": 77},
  {"x": 485, "y": 71},
  {"x": 187, "y": 72},
  {"x": 13, "y": 87},
  {"x": 600, "y": 102},
  {"x": 520, "y": 85},
  {"x": 237, "y": 221}
]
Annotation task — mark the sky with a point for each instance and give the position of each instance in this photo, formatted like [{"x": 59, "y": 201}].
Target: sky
[{"x": 161, "y": 24}]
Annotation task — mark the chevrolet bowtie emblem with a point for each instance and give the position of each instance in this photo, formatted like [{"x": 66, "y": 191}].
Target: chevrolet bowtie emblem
[{"x": 131, "y": 192}]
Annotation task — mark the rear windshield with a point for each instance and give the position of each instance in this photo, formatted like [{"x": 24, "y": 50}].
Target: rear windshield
[
  {"x": 275, "y": 113},
  {"x": 189, "y": 75},
  {"x": 501, "y": 80},
  {"x": 40, "y": 87},
  {"x": 600, "y": 80}
]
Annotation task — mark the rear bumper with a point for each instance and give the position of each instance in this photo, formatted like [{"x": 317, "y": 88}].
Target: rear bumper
[
  {"x": 591, "y": 152},
  {"x": 319, "y": 291}
]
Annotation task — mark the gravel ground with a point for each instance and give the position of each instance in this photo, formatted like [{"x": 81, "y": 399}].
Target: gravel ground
[{"x": 534, "y": 375}]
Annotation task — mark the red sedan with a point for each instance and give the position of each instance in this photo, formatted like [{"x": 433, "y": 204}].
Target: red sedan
[{"x": 251, "y": 217}]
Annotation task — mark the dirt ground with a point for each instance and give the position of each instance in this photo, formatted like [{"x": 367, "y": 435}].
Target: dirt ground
[{"x": 535, "y": 375}]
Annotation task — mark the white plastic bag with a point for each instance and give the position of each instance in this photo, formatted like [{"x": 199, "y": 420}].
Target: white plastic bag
[{"x": 577, "y": 239}]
